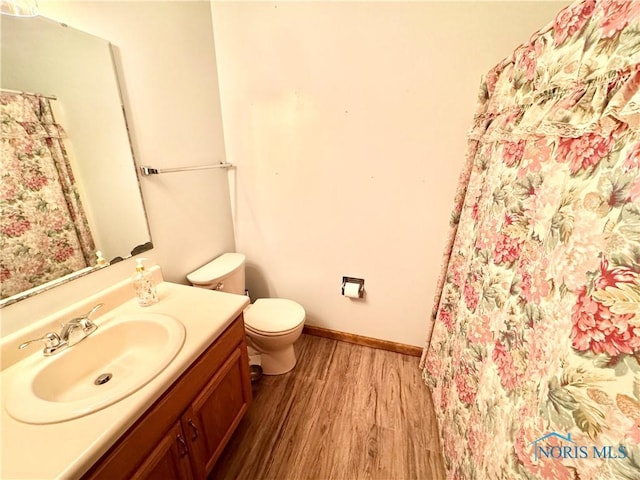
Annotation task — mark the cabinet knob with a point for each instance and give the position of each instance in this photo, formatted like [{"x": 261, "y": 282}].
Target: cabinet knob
[
  {"x": 182, "y": 444},
  {"x": 194, "y": 428}
]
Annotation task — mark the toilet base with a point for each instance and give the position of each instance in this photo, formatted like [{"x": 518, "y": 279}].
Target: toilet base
[{"x": 277, "y": 363}]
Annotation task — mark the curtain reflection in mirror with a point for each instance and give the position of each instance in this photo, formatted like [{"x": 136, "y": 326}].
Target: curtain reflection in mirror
[{"x": 44, "y": 233}]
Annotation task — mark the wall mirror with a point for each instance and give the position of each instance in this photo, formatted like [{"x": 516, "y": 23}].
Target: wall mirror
[{"x": 76, "y": 71}]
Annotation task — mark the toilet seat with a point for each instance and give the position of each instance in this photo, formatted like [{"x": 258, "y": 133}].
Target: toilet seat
[
  {"x": 273, "y": 316},
  {"x": 268, "y": 334}
]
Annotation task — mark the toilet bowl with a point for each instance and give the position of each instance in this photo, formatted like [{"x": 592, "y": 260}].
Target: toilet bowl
[{"x": 272, "y": 325}]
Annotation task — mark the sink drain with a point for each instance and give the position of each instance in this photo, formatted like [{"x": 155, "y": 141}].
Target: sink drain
[{"x": 102, "y": 379}]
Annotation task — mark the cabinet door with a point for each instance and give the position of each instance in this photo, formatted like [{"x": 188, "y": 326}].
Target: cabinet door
[
  {"x": 170, "y": 459},
  {"x": 217, "y": 410}
]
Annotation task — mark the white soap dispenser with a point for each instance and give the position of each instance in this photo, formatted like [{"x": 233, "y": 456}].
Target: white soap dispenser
[
  {"x": 144, "y": 286},
  {"x": 100, "y": 260}
]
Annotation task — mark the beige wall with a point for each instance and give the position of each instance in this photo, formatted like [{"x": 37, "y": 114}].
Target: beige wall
[
  {"x": 347, "y": 121},
  {"x": 168, "y": 62}
]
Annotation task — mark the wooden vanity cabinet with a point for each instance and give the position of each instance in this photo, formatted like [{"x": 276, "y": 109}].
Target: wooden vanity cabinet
[
  {"x": 169, "y": 460},
  {"x": 182, "y": 435}
]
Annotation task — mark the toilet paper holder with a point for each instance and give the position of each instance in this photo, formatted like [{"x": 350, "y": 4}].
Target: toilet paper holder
[{"x": 353, "y": 280}]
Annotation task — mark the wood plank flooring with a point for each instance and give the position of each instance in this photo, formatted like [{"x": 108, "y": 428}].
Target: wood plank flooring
[{"x": 345, "y": 412}]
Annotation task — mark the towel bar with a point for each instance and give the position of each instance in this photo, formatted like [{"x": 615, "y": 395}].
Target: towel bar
[{"x": 146, "y": 170}]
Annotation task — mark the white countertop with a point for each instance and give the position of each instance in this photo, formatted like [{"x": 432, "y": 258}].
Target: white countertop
[{"x": 68, "y": 449}]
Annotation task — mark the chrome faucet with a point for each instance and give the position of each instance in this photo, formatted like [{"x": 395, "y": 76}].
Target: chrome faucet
[
  {"x": 52, "y": 343},
  {"x": 74, "y": 331},
  {"x": 79, "y": 328}
]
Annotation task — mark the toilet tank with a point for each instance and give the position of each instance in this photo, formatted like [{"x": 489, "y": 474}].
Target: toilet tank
[{"x": 225, "y": 273}]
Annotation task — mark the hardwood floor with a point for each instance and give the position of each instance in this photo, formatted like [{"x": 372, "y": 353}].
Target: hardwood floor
[{"x": 345, "y": 412}]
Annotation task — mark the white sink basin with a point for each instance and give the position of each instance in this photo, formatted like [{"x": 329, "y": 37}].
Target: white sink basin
[{"x": 128, "y": 351}]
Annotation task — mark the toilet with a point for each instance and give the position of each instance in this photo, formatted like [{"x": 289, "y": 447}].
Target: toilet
[{"x": 272, "y": 325}]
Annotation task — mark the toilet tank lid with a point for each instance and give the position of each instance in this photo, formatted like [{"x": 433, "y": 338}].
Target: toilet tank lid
[{"x": 216, "y": 269}]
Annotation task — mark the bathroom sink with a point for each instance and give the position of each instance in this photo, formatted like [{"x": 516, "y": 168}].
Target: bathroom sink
[{"x": 123, "y": 355}]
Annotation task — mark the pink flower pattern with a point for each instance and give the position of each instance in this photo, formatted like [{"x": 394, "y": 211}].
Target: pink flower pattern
[
  {"x": 14, "y": 225},
  {"x": 512, "y": 152},
  {"x": 617, "y": 15},
  {"x": 510, "y": 372},
  {"x": 571, "y": 20},
  {"x": 632, "y": 161},
  {"x": 479, "y": 331},
  {"x": 466, "y": 391},
  {"x": 447, "y": 319},
  {"x": 43, "y": 229},
  {"x": 533, "y": 285},
  {"x": 35, "y": 181},
  {"x": 507, "y": 249},
  {"x": 537, "y": 328},
  {"x": 597, "y": 329},
  {"x": 583, "y": 153},
  {"x": 526, "y": 58},
  {"x": 612, "y": 276},
  {"x": 471, "y": 294},
  {"x": 5, "y": 273}
]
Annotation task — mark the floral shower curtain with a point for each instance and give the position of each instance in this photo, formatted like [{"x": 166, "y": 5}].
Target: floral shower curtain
[
  {"x": 44, "y": 232},
  {"x": 533, "y": 361}
]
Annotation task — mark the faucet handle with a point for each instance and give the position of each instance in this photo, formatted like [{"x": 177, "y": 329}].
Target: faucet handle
[
  {"x": 92, "y": 311},
  {"x": 83, "y": 323},
  {"x": 84, "y": 320},
  {"x": 87, "y": 324},
  {"x": 52, "y": 343}
]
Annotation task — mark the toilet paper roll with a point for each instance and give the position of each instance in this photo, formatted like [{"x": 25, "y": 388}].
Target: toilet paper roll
[{"x": 352, "y": 290}]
